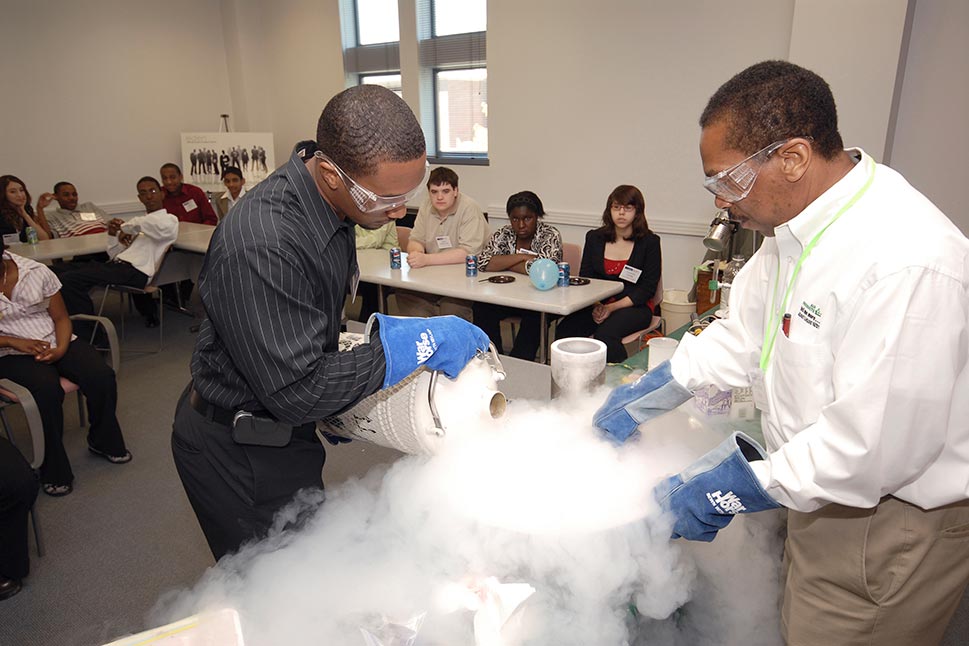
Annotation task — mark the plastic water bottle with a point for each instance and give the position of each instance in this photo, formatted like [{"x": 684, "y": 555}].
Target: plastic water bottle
[{"x": 729, "y": 273}]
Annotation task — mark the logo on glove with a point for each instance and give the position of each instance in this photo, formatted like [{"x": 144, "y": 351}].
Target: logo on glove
[
  {"x": 726, "y": 503},
  {"x": 426, "y": 346}
]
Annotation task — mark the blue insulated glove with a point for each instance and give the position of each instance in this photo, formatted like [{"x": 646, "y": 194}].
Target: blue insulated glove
[
  {"x": 445, "y": 343},
  {"x": 630, "y": 405},
  {"x": 708, "y": 493}
]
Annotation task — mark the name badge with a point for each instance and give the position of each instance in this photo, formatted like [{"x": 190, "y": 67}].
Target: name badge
[
  {"x": 630, "y": 274},
  {"x": 11, "y": 238},
  {"x": 443, "y": 242},
  {"x": 189, "y": 206},
  {"x": 89, "y": 217}
]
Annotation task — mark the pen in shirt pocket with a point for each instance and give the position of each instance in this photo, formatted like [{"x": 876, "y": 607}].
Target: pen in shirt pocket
[{"x": 786, "y": 325}]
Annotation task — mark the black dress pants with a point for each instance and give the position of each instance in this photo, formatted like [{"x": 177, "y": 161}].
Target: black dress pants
[
  {"x": 488, "y": 317},
  {"x": 611, "y": 331},
  {"x": 83, "y": 365},
  {"x": 236, "y": 489},
  {"x": 18, "y": 490},
  {"x": 78, "y": 282}
]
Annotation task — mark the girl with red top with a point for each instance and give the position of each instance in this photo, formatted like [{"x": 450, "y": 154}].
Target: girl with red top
[{"x": 625, "y": 250}]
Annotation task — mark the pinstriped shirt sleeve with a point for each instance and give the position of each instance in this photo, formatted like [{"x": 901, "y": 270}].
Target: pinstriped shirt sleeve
[{"x": 273, "y": 285}]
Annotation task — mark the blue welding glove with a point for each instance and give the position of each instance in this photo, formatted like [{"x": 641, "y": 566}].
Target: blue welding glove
[
  {"x": 630, "y": 405},
  {"x": 445, "y": 343},
  {"x": 705, "y": 497}
]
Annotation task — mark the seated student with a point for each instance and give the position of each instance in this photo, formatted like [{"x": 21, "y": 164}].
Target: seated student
[
  {"x": 18, "y": 490},
  {"x": 514, "y": 247},
  {"x": 449, "y": 226},
  {"x": 235, "y": 187},
  {"x": 384, "y": 237},
  {"x": 622, "y": 249},
  {"x": 16, "y": 213},
  {"x": 37, "y": 348},
  {"x": 69, "y": 218},
  {"x": 186, "y": 202},
  {"x": 136, "y": 247}
]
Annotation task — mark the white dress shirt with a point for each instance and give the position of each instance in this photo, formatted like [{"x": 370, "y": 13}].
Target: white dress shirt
[
  {"x": 154, "y": 233},
  {"x": 868, "y": 395}
]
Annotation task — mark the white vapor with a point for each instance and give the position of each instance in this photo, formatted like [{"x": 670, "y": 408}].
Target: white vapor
[{"x": 535, "y": 497}]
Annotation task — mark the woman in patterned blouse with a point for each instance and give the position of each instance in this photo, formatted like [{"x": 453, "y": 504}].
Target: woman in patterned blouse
[{"x": 514, "y": 247}]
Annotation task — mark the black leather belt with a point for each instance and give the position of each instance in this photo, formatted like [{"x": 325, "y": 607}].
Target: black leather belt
[
  {"x": 225, "y": 416},
  {"x": 211, "y": 412}
]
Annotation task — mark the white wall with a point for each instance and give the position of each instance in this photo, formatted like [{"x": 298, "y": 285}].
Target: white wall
[
  {"x": 932, "y": 136},
  {"x": 583, "y": 95},
  {"x": 98, "y": 91}
]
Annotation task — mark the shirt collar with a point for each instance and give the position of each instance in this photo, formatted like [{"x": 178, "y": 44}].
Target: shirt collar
[{"x": 796, "y": 233}]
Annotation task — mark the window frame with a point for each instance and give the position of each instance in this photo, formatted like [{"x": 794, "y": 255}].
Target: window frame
[{"x": 456, "y": 158}]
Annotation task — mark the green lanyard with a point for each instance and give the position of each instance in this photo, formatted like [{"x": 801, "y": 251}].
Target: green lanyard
[{"x": 770, "y": 333}]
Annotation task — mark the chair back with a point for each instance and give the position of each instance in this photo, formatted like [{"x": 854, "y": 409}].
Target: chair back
[
  {"x": 572, "y": 254},
  {"x": 403, "y": 237},
  {"x": 658, "y": 296},
  {"x": 157, "y": 279}
]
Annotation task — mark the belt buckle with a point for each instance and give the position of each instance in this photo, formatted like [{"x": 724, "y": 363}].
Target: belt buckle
[{"x": 242, "y": 414}]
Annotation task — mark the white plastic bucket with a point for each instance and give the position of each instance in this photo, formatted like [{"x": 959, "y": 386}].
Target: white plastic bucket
[
  {"x": 578, "y": 365},
  {"x": 420, "y": 412},
  {"x": 676, "y": 308}
]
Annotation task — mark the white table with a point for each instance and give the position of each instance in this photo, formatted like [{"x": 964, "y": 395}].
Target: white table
[
  {"x": 449, "y": 280},
  {"x": 192, "y": 237}
]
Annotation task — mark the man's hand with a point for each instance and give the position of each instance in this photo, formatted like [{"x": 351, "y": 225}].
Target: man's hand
[
  {"x": 114, "y": 226},
  {"x": 630, "y": 405},
  {"x": 126, "y": 238},
  {"x": 445, "y": 343},
  {"x": 706, "y": 496},
  {"x": 417, "y": 259},
  {"x": 35, "y": 347},
  {"x": 44, "y": 201}
]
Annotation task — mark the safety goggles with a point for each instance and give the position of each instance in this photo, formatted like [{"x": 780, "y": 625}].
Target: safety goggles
[
  {"x": 736, "y": 182},
  {"x": 365, "y": 199}
]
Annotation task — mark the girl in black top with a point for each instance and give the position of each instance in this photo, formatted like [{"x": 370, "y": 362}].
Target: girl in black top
[
  {"x": 622, "y": 249},
  {"x": 16, "y": 213}
]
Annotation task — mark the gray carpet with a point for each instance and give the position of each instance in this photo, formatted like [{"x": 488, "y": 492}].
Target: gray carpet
[{"x": 127, "y": 534}]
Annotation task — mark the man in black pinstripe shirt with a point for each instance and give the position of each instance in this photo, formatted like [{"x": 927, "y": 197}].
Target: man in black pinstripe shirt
[{"x": 273, "y": 285}]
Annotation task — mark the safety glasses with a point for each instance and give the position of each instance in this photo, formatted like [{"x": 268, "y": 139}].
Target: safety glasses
[
  {"x": 736, "y": 182},
  {"x": 365, "y": 199}
]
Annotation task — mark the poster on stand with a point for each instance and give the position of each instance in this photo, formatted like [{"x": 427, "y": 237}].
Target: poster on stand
[{"x": 205, "y": 154}]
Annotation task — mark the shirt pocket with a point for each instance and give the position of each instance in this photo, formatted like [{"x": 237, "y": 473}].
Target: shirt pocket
[{"x": 801, "y": 384}]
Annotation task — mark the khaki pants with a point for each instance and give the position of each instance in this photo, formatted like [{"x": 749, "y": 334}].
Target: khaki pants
[
  {"x": 889, "y": 576},
  {"x": 425, "y": 305}
]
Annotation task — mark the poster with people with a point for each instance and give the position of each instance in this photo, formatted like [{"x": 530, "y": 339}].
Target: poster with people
[{"x": 206, "y": 154}]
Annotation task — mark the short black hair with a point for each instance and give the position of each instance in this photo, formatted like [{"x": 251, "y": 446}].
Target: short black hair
[
  {"x": 170, "y": 165},
  {"x": 366, "y": 125},
  {"x": 442, "y": 175},
  {"x": 59, "y": 185},
  {"x": 773, "y": 101},
  {"x": 232, "y": 169},
  {"x": 148, "y": 178},
  {"x": 528, "y": 199}
]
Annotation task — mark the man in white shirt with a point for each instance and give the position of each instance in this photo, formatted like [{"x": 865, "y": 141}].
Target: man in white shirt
[
  {"x": 136, "y": 247},
  {"x": 449, "y": 226},
  {"x": 850, "y": 324}
]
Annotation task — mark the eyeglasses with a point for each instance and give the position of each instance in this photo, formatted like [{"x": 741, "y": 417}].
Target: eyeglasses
[
  {"x": 150, "y": 191},
  {"x": 736, "y": 182},
  {"x": 624, "y": 208},
  {"x": 365, "y": 199}
]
